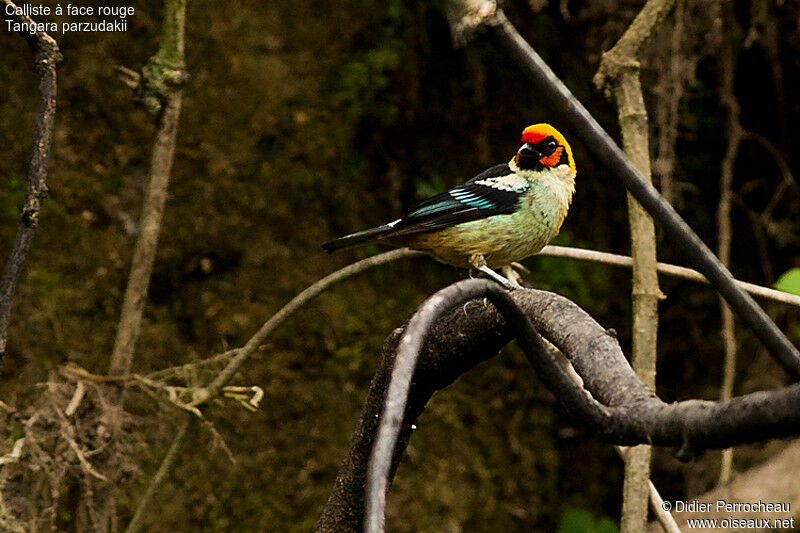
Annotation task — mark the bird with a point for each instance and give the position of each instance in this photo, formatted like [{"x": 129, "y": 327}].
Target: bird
[{"x": 504, "y": 214}]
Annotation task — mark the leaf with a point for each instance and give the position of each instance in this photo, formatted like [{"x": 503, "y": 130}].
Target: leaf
[
  {"x": 576, "y": 521},
  {"x": 583, "y": 521},
  {"x": 789, "y": 281}
]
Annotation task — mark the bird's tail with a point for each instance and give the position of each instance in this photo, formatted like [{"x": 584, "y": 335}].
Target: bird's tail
[{"x": 358, "y": 238}]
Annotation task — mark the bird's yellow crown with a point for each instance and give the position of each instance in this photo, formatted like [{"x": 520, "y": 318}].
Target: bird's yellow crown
[{"x": 536, "y": 133}]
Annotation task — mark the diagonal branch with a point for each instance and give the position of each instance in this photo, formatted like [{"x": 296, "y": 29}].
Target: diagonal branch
[
  {"x": 164, "y": 471},
  {"x": 252, "y": 345},
  {"x": 46, "y": 57},
  {"x": 578, "y": 120},
  {"x": 241, "y": 356}
]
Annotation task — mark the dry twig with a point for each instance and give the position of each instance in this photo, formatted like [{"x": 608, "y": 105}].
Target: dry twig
[
  {"x": 618, "y": 75},
  {"x": 46, "y": 57}
]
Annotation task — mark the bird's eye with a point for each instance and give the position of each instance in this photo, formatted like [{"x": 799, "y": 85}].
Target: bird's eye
[{"x": 550, "y": 145}]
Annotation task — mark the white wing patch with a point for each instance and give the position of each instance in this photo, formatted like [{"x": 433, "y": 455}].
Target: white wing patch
[{"x": 511, "y": 182}]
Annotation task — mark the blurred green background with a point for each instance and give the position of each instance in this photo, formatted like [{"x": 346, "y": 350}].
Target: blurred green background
[{"x": 305, "y": 120}]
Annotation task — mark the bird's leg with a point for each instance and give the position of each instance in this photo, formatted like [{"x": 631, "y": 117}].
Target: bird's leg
[
  {"x": 474, "y": 302},
  {"x": 479, "y": 262}
]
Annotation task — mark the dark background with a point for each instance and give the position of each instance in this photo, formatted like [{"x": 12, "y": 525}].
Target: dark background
[{"x": 306, "y": 120}]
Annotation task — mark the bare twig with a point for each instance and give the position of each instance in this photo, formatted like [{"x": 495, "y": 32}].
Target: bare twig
[
  {"x": 664, "y": 268},
  {"x": 87, "y": 466},
  {"x": 789, "y": 181},
  {"x": 72, "y": 406},
  {"x": 164, "y": 470},
  {"x": 665, "y": 518},
  {"x": 160, "y": 90},
  {"x": 735, "y": 131},
  {"x": 46, "y": 57},
  {"x": 162, "y": 79},
  {"x": 290, "y": 308},
  {"x": 618, "y": 74},
  {"x": 244, "y": 353},
  {"x": 193, "y": 366},
  {"x": 674, "y": 66}
]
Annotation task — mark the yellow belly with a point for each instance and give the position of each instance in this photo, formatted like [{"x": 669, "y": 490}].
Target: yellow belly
[{"x": 501, "y": 239}]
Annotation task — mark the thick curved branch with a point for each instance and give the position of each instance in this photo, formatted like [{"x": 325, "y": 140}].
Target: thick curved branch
[
  {"x": 618, "y": 407},
  {"x": 46, "y": 57}
]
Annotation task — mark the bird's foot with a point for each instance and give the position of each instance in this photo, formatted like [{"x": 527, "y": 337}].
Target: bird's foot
[
  {"x": 477, "y": 303},
  {"x": 479, "y": 262},
  {"x": 511, "y": 274}
]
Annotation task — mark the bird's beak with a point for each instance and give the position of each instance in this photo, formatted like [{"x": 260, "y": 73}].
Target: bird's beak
[{"x": 528, "y": 150}]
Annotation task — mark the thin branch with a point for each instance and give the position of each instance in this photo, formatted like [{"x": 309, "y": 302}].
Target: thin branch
[
  {"x": 789, "y": 180},
  {"x": 46, "y": 57},
  {"x": 675, "y": 66},
  {"x": 164, "y": 471},
  {"x": 161, "y": 90},
  {"x": 244, "y": 353},
  {"x": 618, "y": 74},
  {"x": 87, "y": 466},
  {"x": 665, "y": 518},
  {"x": 289, "y": 309},
  {"x": 729, "y": 57},
  {"x": 588, "y": 130},
  {"x": 162, "y": 79},
  {"x": 664, "y": 268}
]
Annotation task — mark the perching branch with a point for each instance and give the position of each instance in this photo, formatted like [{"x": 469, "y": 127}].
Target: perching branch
[
  {"x": 46, "y": 57},
  {"x": 664, "y": 268},
  {"x": 584, "y": 127},
  {"x": 618, "y": 406},
  {"x": 324, "y": 284}
]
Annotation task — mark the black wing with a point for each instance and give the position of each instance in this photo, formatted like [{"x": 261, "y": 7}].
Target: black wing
[
  {"x": 496, "y": 171},
  {"x": 485, "y": 195}
]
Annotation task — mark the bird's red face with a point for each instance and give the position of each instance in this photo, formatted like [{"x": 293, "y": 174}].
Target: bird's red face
[{"x": 544, "y": 148}]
